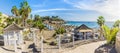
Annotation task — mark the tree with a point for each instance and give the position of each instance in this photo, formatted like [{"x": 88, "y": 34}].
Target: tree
[
  {"x": 25, "y": 10},
  {"x": 17, "y": 20},
  {"x": 30, "y": 22},
  {"x": 116, "y": 24},
  {"x": 15, "y": 11},
  {"x": 46, "y": 18},
  {"x": 37, "y": 18},
  {"x": 56, "y": 18},
  {"x": 101, "y": 22},
  {"x": 0, "y": 13},
  {"x": 9, "y": 21},
  {"x": 110, "y": 34},
  {"x": 39, "y": 25}
]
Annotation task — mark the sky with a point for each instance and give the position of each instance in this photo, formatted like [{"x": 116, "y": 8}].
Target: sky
[{"x": 69, "y": 10}]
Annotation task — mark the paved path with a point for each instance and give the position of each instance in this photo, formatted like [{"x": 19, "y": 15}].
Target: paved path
[{"x": 87, "y": 48}]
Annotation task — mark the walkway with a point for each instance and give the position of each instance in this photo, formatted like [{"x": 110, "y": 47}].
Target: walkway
[{"x": 87, "y": 48}]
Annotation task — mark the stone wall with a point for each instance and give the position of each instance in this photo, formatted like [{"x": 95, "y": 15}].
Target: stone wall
[{"x": 117, "y": 45}]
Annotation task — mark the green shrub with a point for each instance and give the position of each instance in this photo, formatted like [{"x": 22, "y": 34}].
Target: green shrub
[
  {"x": 110, "y": 34},
  {"x": 60, "y": 30},
  {"x": 116, "y": 24}
]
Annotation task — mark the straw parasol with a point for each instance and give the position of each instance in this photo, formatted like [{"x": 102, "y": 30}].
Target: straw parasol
[
  {"x": 13, "y": 27},
  {"x": 84, "y": 28}
]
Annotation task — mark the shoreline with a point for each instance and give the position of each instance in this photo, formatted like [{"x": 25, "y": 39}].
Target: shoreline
[{"x": 91, "y": 24}]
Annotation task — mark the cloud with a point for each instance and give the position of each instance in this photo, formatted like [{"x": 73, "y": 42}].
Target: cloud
[
  {"x": 108, "y": 7},
  {"x": 46, "y": 10}
]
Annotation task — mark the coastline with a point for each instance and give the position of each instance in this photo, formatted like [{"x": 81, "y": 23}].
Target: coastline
[{"x": 91, "y": 24}]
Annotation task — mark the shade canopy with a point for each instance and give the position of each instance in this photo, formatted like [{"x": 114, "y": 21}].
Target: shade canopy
[
  {"x": 13, "y": 27},
  {"x": 84, "y": 28}
]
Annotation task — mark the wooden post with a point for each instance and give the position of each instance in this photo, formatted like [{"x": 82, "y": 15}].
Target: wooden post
[
  {"x": 84, "y": 36},
  {"x": 59, "y": 42},
  {"x": 42, "y": 44},
  {"x": 15, "y": 45},
  {"x": 94, "y": 35},
  {"x": 8, "y": 40},
  {"x": 21, "y": 37},
  {"x": 73, "y": 38},
  {"x": 5, "y": 40},
  {"x": 34, "y": 38}
]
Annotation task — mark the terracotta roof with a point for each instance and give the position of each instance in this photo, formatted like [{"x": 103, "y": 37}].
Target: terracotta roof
[{"x": 13, "y": 27}]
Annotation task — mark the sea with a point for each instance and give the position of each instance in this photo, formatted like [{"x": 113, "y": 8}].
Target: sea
[{"x": 91, "y": 24}]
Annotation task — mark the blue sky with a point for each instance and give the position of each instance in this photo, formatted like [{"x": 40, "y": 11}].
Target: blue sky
[{"x": 71, "y": 10}]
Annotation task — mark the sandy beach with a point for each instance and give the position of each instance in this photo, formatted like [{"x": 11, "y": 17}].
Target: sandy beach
[{"x": 87, "y": 48}]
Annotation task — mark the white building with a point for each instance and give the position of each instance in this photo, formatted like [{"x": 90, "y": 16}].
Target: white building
[{"x": 11, "y": 33}]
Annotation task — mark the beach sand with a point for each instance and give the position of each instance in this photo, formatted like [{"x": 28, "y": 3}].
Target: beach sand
[{"x": 87, "y": 48}]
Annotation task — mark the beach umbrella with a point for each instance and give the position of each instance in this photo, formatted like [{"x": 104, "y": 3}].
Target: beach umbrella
[{"x": 83, "y": 28}]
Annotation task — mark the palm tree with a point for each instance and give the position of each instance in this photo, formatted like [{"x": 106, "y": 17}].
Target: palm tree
[
  {"x": 25, "y": 10},
  {"x": 101, "y": 22},
  {"x": 17, "y": 20},
  {"x": 116, "y": 24},
  {"x": 15, "y": 11},
  {"x": 39, "y": 25},
  {"x": 30, "y": 22},
  {"x": 9, "y": 21},
  {"x": 37, "y": 18},
  {"x": 110, "y": 34}
]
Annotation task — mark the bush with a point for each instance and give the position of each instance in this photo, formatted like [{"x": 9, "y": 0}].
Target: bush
[
  {"x": 110, "y": 34},
  {"x": 60, "y": 31}
]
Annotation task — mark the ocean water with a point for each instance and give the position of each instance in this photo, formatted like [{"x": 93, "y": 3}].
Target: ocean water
[{"x": 89, "y": 24}]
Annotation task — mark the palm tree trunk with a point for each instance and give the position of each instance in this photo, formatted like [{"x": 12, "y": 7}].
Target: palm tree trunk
[
  {"x": 23, "y": 22},
  {"x": 101, "y": 33}
]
